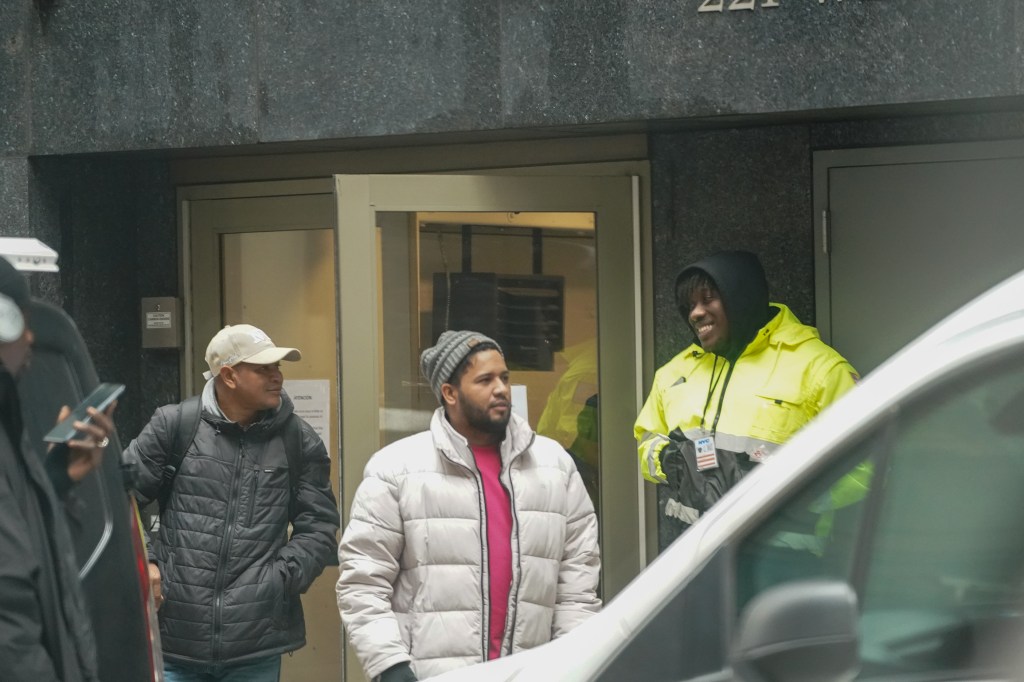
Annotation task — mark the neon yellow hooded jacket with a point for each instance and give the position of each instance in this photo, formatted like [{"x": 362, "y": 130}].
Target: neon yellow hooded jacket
[{"x": 781, "y": 380}]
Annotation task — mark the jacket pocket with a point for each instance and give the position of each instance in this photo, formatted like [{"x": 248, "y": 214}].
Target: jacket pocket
[
  {"x": 166, "y": 571},
  {"x": 281, "y": 612},
  {"x": 264, "y": 491},
  {"x": 779, "y": 415}
]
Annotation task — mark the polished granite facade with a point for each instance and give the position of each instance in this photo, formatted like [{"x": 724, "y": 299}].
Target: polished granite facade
[{"x": 115, "y": 75}]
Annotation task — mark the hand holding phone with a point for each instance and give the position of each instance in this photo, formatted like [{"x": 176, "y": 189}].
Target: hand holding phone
[
  {"x": 100, "y": 398},
  {"x": 82, "y": 434}
]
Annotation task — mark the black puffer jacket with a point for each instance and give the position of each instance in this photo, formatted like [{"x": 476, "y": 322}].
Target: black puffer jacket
[{"x": 231, "y": 575}]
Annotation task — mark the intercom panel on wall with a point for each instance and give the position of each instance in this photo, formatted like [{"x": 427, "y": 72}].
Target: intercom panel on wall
[{"x": 161, "y": 322}]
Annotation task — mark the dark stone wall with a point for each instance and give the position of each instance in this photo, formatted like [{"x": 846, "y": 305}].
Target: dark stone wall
[
  {"x": 14, "y": 78},
  {"x": 112, "y": 75},
  {"x": 14, "y": 190},
  {"x": 731, "y": 189},
  {"x": 113, "y": 223},
  {"x": 118, "y": 74}
]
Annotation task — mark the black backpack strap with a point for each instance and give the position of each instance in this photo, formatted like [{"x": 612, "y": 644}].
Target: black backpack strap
[
  {"x": 293, "y": 449},
  {"x": 190, "y": 413}
]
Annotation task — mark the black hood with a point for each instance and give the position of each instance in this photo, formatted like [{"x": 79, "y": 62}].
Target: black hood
[{"x": 744, "y": 290}]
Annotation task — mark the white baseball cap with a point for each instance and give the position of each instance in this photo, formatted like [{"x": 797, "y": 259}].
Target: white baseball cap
[{"x": 244, "y": 343}]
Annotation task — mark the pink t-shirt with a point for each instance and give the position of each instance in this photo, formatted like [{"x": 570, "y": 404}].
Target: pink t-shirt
[{"x": 499, "y": 540}]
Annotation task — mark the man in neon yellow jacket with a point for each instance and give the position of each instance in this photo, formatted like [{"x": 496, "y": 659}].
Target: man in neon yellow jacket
[{"x": 754, "y": 376}]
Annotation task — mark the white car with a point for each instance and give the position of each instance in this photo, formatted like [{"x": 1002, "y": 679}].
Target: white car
[{"x": 909, "y": 496}]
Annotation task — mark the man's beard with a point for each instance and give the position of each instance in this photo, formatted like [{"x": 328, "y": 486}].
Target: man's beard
[{"x": 479, "y": 418}]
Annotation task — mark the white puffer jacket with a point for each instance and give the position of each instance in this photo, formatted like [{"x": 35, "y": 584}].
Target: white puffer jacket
[{"x": 413, "y": 558}]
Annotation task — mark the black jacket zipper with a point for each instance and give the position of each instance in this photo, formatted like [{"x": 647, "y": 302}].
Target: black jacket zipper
[{"x": 229, "y": 524}]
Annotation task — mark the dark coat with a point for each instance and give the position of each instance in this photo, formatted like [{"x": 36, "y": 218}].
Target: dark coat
[
  {"x": 45, "y": 633},
  {"x": 231, "y": 575}
]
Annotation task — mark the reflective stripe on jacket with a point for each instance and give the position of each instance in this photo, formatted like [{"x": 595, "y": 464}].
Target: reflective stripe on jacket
[
  {"x": 783, "y": 378},
  {"x": 413, "y": 583}
]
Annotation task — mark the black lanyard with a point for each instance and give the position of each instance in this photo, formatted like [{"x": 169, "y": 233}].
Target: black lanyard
[{"x": 712, "y": 384}]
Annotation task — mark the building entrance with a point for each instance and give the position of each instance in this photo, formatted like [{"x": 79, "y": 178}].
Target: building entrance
[{"x": 546, "y": 265}]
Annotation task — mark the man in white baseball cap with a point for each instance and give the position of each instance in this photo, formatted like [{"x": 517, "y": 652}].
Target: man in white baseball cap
[
  {"x": 244, "y": 343},
  {"x": 232, "y": 469}
]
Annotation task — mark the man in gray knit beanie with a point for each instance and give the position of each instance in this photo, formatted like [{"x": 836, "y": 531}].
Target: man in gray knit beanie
[
  {"x": 497, "y": 499},
  {"x": 439, "y": 362}
]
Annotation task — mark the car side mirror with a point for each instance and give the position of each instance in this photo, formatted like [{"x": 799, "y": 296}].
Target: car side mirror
[{"x": 803, "y": 631}]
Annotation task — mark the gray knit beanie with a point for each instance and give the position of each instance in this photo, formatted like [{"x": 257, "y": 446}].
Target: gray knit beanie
[{"x": 438, "y": 362}]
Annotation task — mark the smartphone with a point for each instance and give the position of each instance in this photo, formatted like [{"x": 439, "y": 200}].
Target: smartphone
[{"x": 100, "y": 398}]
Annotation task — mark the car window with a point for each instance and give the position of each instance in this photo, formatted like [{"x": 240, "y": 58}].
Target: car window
[{"x": 923, "y": 517}]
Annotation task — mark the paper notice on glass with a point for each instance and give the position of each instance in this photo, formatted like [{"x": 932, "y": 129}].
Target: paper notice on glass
[
  {"x": 312, "y": 401},
  {"x": 519, "y": 405}
]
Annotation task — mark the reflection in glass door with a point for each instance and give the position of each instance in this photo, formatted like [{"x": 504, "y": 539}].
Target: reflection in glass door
[{"x": 526, "y": 279}]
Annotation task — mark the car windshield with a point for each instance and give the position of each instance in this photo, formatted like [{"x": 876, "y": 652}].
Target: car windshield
[{"x": 923, "y": 518}]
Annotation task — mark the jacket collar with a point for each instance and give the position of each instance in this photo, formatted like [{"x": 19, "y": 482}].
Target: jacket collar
[
  {"x": 784, "y": 329},
  {"x": 518, "y": 438},
  {"x": 268, "y": 421}
]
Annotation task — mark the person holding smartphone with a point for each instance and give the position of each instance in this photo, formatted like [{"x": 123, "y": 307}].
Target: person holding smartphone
[{"x": 44, "y": 627}]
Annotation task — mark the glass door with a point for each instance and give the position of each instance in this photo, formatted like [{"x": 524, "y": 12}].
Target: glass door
[
  {"x": 545, "y": 265},
  {"x": 270, "y": 261}
]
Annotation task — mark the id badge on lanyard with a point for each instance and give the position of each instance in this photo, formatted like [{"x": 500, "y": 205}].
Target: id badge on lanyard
[{"x": 707, "y": 456}]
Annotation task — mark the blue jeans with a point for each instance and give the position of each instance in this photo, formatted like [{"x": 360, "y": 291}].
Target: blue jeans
[{"x": 260, "y": 670}]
